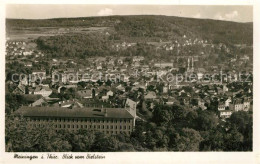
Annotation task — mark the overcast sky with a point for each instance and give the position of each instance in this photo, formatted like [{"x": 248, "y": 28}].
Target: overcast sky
[{"x": 230, "y": 13}]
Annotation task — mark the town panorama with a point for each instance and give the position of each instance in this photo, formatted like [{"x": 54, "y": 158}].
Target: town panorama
[{"x": 128, "y": 83}]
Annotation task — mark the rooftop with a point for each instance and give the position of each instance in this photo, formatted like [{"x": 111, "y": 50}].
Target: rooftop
[{"x": 75, "y": 112}]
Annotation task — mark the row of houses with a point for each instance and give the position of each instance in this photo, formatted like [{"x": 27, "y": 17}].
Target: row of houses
[{"x": 228, "y": 107}]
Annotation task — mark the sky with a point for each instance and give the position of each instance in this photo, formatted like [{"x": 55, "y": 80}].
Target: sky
[{"x": 43, "y": 11}]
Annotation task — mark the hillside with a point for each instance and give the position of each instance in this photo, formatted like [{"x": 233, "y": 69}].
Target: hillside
[{"x": 152, "y": 27}]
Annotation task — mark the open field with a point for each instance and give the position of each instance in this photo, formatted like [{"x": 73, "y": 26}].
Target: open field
[{"x": 23, "y": 34}]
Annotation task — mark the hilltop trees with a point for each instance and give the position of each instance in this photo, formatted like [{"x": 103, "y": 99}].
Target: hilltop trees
[{"x": 82, "y": 46}]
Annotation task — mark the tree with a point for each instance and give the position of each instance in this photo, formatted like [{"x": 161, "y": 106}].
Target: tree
[
  {"x": 233, "y": 141},
  {"x": 187, "y": 140},
  {"x": 82, "y": 141},
  {"x": 206, "y": 121},
  {"x": 240, "y": 119},
  {"x": 22, "y": 137},
  {"x": 105, "y": 144}
]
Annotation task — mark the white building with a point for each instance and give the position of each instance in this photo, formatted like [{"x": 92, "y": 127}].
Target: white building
[{"x": 225, "y": 113}]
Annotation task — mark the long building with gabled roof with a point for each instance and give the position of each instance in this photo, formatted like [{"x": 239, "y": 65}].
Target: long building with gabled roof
[{"x": 107, "y": 120}]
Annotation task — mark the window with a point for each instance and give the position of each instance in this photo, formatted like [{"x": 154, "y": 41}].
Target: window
[
  {"x": 124, "y": 127},
  {"x": 107, "y": 126},
  {"x": 129, "y": 127},
  {"x": 72, "y": 126},
  {"x": 120, "y": 127},
  {"x": 111, "y": 127},
  {"x": 116, "y": 126},
  {"x": 81, "y": 126},
  {"x": 94, "y": 126},
  {"x": 68, "y": 126},
  {"x": 64, "y": 126},
  {"x": 98, "y": 126}
]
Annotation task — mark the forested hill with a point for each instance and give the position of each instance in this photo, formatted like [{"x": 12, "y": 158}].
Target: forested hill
[{"x": 149, "y": 26}]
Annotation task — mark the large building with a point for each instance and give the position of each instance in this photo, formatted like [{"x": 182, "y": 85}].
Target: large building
[
  {"x": 107, "y": 120},
  {"x": 163, "y": 65}
]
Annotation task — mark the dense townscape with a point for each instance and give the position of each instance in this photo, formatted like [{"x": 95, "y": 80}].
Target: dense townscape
[{"x": 128, "y": 83}]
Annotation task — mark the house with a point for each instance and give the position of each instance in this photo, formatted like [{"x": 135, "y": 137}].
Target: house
[
  {"x": 138, "y": 58},
  {"x": 39, "y": 73},
  {"x": 237, "y": 105},
  {"x": 28, "y": 64},
  {"x": 228, "y": 101},
  {"x": 24, "y": 81},
  {"x": 121, "y": 88},
  {"x": 170, "y": 101},
  {"x": 220, "y": 90},
  {"x": 225, "y": 88},
  {"x": 130, "y": 106},
  {"x": 201, "y": 104},
  {"x": 20, "y": 89},
  {"x": 110, "y": 93},
  {"x": 69, "y": 104},
  {"x": 105, "y": 98},
  {"x": 246, "y": 104},
  {"x": 38, "y": 102},
  {"x": 150, "y": 96},
  {"x": 221, "y": 106},
  {"x": 43, "y": 90},
  {"x": 225, "y": 113},
  {"x": 87, "y": 94},
  {"x": 111, "y": 62},
  {"x": 165, "y": 89},
  {"x": 99, "y": 67},
  {"x": 136, "y": 64},
  {"x": 163, "y": 65}
]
